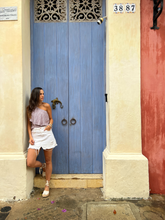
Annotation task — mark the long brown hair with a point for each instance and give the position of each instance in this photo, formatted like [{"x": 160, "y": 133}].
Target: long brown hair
[{"x": 34, "y": 100}]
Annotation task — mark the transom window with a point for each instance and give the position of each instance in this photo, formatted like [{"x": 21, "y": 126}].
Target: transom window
[
  {"x": 85, "y": 10},
  {"x": 50, "y": 10},
  {"x": 56, "y": 10}
]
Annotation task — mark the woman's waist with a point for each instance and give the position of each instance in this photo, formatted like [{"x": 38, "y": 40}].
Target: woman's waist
[{"x": 38, "y": 127}]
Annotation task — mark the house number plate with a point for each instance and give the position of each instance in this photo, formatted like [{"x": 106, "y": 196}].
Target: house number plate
[{"x": 124, "y": 8}]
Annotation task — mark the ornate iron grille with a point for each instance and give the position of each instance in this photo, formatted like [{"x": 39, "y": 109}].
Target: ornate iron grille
[
  {"x": 50, "y": 10},
  {"x": 85, "y": 10}
]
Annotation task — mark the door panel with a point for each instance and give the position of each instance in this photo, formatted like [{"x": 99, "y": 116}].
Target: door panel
[
  {"x": 56, "y": 82},
  {"x": 86, "y": 99},
  {"x": 98, "y": 95},
  {"x": 68, "y": 63},
  {"x": 38, "y": 57},
  {"x": 61, "y": 152},
  {"x": 74, "y": 98},
  {"x": 50, "y": 71}
]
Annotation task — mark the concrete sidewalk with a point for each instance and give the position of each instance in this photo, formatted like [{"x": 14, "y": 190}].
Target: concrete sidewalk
[{"x": 85, "y": 204}]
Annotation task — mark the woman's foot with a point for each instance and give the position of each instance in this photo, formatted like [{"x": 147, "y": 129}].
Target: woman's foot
[{"x": 46, "y": 190}]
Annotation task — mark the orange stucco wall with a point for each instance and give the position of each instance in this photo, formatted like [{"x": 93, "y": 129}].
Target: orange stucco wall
[{"x": 153, "y": 95}]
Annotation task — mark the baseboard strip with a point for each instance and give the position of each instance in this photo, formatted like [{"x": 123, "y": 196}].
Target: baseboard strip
[{"x": 77, "y": 181}]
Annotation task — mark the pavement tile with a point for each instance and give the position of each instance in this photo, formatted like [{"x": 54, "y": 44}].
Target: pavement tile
[{"x": 109, "y": 211}]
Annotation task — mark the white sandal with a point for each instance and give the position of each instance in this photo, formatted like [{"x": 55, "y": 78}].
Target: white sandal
[
  {"x": 41, "y": 172},
  {"x": 45, "y": 192}
]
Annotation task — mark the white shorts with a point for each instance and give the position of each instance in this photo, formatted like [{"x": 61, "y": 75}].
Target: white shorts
[{"x": 44, "y": 139}]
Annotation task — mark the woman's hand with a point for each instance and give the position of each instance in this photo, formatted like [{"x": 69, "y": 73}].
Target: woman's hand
[
  {"x": 47, "y": 128},
  {"x": 49, "y": 111},
  {"x": 31, "y": 141}
]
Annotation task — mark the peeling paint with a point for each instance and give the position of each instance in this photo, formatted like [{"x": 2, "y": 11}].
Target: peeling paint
[{"x": 153, "y": 96}]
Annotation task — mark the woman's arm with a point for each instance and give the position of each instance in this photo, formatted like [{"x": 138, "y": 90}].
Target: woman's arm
[
  {"x": 31, "y": 141},
  {"x": 49, "y": 111}
]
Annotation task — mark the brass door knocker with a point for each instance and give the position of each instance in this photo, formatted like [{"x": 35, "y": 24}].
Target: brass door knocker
[{"x": 55, "y": 102}]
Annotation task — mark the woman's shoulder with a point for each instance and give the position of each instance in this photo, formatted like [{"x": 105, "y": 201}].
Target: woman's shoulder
[{"x": 46, "y": 105}]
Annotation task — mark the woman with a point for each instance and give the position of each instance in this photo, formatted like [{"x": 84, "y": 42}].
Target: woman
[{"x": 40, "y": 123}]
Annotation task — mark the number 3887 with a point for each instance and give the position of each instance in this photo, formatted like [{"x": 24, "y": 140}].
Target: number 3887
[{"x": 119, "y": 8}]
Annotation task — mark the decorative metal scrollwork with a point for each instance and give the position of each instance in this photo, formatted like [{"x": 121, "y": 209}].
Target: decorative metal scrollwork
[
  {"x": 50, "y": 10},
  {"x": 64, "y": 122},
  {"x": 85, "y": 10},
  {"x": 55, "y": 102},
  {"x": 73, "y": 121},
  {"x": 157, "y": 10}
]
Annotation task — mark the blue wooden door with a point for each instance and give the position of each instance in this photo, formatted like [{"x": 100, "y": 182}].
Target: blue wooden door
[{"x": 68, "y": 61}]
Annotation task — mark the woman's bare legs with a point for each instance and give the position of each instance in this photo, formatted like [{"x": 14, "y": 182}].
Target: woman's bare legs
[
  {"x": 48, "y": 160},
  {"x": 31, "y": 158}
]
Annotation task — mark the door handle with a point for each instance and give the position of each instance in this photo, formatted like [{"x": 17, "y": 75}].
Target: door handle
[
  {"x": 73, "y": 121},
  {"x": 64, "y": 122},
  {"x": 55, "y": 102}
]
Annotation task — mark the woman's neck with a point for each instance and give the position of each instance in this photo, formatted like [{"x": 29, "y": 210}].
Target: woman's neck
[{"x": 39, "y": 104}]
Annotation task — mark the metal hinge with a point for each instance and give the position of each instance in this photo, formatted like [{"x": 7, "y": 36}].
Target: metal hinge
[{"x": 106, "y": 97}]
